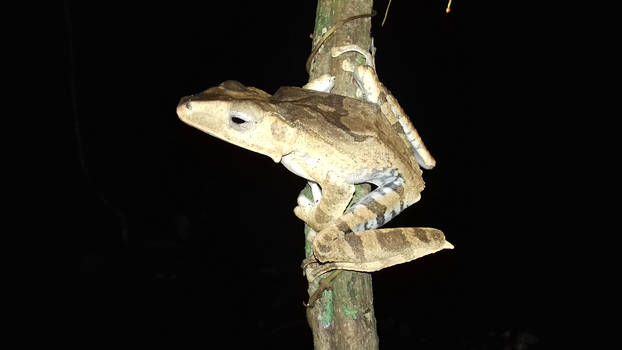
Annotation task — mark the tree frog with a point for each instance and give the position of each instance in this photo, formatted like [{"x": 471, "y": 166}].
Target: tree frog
[{"x": 334, "y": 142}]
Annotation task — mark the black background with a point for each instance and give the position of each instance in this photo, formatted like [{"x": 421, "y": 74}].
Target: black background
[{"x": 177, "y": 236}]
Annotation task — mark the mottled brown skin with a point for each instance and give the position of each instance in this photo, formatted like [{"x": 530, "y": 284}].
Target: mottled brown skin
[{"x": 351, "y": 128}]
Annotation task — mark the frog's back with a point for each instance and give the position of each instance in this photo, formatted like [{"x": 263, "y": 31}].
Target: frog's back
[
  {"x": 350, "y": 125},
  {"x": 345, "y": 119}
]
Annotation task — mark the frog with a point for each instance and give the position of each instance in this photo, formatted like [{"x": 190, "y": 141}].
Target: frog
[{"x": 334, "y": 142}]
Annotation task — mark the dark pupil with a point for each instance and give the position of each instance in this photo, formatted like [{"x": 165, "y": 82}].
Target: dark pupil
[{"x": 238, "y": 120}]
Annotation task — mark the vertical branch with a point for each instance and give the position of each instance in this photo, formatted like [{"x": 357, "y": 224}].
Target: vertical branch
[{"x": 344, "y": 316}]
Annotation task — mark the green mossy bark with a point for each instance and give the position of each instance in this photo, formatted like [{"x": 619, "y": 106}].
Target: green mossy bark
[{"x": 343, "y": 318}]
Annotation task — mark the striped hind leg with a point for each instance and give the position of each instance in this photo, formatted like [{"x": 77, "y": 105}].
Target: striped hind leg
[
  {"x": 375, "y": 92},
  {"x": 373, "y": 250},
  {"x": 354, "y": 242}
]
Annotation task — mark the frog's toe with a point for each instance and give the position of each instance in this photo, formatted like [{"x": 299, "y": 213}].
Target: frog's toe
[{"x": 304, "y": 213}]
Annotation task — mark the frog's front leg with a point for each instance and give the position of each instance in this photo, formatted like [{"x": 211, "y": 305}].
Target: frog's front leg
[{"x": 333, "y": 200}]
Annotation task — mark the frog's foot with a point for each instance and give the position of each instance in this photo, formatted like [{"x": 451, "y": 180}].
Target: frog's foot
[
  {"x": 369, "y": 86},
  {"x": 369, "y": 58},
  {"x": 306, "y": 208},
  {"x": 312, "y": 268},
  {"x": 324, "y": 83},
  {"x": 324, "y": 284},
  {"x": 306, "y": 263}
]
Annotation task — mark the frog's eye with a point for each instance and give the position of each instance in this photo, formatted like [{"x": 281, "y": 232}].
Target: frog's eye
[
  {"x": 237, "y": 120},
  {"x": 241, "y": 121}
]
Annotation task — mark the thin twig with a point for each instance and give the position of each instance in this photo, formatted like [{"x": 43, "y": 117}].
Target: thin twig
[
  {"x": 328, "y": 33},
  {"x": 386, "y": 12}
]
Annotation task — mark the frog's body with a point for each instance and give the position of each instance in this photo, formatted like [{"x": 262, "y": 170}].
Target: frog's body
[
  {"x": 334, "y": 142},
  {"x": 352, "y": 134}
]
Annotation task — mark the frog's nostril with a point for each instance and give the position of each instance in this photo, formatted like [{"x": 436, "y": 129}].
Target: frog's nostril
[
  {"x": 184, "y": 107},
  {"x": 186, "y": 101}
]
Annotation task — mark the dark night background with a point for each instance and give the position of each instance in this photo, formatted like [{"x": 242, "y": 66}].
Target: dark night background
[{"x": 178, "y": 237}]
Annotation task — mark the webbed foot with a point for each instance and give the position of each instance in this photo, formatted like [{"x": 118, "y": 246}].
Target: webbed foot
[
  {"x": 323, "y": 83},
  {"x": 369, "y": 58}
]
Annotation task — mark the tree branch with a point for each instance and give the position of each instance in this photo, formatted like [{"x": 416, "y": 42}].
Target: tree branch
[{"x": 343, "y": 317}]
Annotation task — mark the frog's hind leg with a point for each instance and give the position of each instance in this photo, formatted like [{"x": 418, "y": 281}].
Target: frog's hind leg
[
  {"x": 354, "y": 242},
  {"x": 373, "y": 250},
  {"x": 372, "y": 89}
]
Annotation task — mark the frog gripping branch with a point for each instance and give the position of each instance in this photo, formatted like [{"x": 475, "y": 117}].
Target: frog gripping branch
[
  {"x": 334, "y": 142},
  {"x": 340, "y": 145}
]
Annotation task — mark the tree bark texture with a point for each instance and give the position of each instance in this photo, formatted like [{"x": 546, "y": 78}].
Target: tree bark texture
[{"x": 343, "y": 318}]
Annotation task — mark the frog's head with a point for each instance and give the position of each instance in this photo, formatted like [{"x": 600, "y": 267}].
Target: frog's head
[{"x": 239, "y": 115}]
